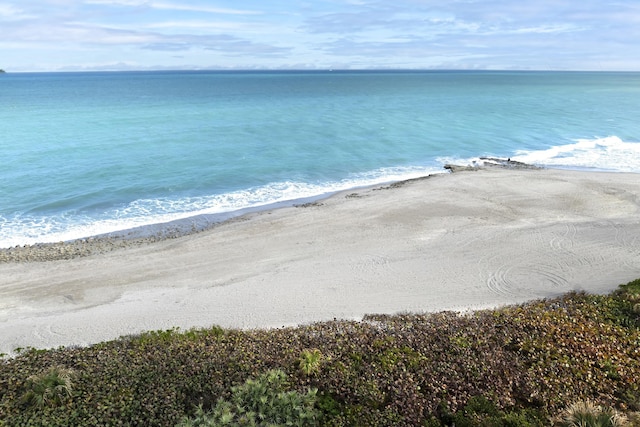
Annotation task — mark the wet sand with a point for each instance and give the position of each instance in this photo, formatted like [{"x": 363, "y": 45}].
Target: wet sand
[{"x": 461, "y": 241}]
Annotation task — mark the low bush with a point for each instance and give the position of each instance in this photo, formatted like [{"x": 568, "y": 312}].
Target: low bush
[
  {"x": 310, "y": 361},
  {"x": 515, "y": 366},
  {"x": 260, "y": 402}
]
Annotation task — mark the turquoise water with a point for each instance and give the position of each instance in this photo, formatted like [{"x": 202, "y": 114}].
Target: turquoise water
[{"x": 90, "y": 153}]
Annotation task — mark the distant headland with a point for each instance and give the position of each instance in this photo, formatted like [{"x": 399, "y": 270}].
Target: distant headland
[{"x": 2, "y": 71}]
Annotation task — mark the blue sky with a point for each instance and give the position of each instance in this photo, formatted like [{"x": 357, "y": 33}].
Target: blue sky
[{"x": 67, "y": 35}]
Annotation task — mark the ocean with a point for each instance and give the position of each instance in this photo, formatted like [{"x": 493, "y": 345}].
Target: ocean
[{"x": 84, "y": 154}]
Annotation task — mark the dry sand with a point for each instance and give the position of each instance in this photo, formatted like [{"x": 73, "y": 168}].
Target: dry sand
[{"x": 461, "y": 241}]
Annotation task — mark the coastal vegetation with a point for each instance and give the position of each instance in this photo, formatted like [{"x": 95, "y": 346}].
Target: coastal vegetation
[{"x": 572, "y": 360}]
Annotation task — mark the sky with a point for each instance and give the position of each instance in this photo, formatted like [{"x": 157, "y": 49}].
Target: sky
[{"x": 96, "y": 35}]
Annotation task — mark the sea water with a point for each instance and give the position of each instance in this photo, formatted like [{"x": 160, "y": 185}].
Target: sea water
[{"x": 83, "y": 154}]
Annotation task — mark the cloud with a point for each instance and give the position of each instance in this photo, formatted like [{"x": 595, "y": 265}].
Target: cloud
[
  {"x": 498, "y": 32},
  {"x": 134, "y": 3},
  {"x": 204, "y": 9},
  {"x": 207, "y": 25},
  {"x": 79, "y": 28},
  {"x": 322, "y": 33},
  {"x": 434, "y": 20},
  {"x": 10, "y": 12},
  {"x": 225, "y": 44},
  {"x": 184, "y": 6}
]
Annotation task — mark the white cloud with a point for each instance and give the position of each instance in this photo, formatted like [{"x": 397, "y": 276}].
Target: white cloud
[
  {"x": 205, "y": 9},
  {"x": 184, "y": 6},
  {"x": 226, "y": 26},
  {"x": 323, "y": 33},
  {"x": 118, "y": 2},
  {"x": 9, "y": 12},
  {"x": 546, "y": 29}
]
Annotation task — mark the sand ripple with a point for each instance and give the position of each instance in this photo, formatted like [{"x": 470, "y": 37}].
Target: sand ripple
[{"x": 467, "y": 240}]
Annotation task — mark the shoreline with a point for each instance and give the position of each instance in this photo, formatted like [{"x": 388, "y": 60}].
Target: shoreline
[
  {"x": 149, "y": 234},
  {"x": 138, "y": 236},
  {"x": 461, "y": 241}
]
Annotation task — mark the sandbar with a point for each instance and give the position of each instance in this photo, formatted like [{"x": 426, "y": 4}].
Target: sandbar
[{"x": 462, "y": 241}]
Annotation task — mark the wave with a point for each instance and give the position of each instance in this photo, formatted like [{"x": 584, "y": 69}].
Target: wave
[
  {"x": 602, "y": 154},
  {"x": 605, "y": 154},
  {"x": 29, "y": 229},
  {"x": 610, "y": 154}
]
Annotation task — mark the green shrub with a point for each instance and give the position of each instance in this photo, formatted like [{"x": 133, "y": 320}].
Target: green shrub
[
  {"x": 260, "y": 402},
  {"x": 49, "y": 388},
  {"x": 479, "y": 411},
  {"x": 310, "y": 361},
  {"x": 630, "y": 293},
  {"x": 527, "y": 360}
]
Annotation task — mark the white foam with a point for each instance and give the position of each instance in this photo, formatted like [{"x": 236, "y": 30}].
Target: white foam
[
  {"x": 603, "y": 154},
  {"x": 610, "y": 153},
  {"x": 25, "y": 230}
]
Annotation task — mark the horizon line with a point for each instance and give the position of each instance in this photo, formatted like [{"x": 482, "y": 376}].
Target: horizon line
[{"x": 325, "y": 70}]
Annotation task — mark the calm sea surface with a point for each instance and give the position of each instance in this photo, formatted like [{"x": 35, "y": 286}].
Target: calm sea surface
[{"x": 89, "y": 153}]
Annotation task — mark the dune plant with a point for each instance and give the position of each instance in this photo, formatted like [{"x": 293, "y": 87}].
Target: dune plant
[
  {"x": 260, "y": 402},
  {"x": 310, "y": 361},
  {"x": 49, "y": 388},
  {"x": 514, "y": 366},
  {"x": 631, "y": 292},
  {"x": 588, "y": 414}
]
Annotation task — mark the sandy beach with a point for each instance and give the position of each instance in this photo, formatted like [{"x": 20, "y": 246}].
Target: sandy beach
[{"x": 462, "y": 241}]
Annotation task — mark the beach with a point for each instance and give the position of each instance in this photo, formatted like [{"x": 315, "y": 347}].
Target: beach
[{"x": 468, "y": 240}]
